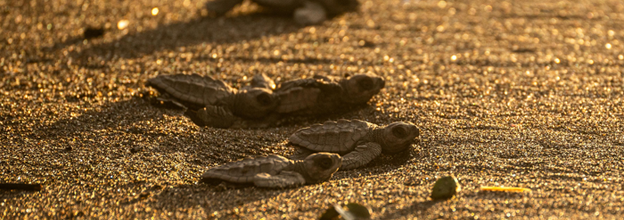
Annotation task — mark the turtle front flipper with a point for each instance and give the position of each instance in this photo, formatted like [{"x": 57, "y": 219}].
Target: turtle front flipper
[
  {"x": 220, "y": 7},
  {"x": 213, "y": 116},
  {"x": 363, "y": 154},
  {"x": 281, "y": 180}
]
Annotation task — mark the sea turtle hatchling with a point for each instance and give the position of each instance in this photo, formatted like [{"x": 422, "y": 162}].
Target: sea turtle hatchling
[
  {"x": 324, "y": 95},
  {"x": 304, "y": 12},
  {"x": 196, "y": 92},
  {"x": 276, "y": 171},
  {"x": 315, "y": 96},
  {"x": 358, "y": 142}
]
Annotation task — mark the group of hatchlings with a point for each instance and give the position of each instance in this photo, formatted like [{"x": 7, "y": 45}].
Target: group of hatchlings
[{"x": 322, "y": 148}]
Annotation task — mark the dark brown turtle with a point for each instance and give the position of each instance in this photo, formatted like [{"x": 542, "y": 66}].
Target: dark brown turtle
[
  {"x": 357, "y": 141},
  {"x": 323, "y": 95},
  {"x": 304, "y": 11},
  {"x": 197, "y": 93},
  {"x": 277, "y": 171}
]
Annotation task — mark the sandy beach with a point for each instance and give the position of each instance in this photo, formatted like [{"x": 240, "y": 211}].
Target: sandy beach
[{"x": 505, "y": 93}]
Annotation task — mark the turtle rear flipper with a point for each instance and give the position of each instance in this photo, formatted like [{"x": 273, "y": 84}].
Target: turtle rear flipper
[
  {"x": 213, "y": 116},
  {"x": 220, "y": 7},
  {"x": 362, "y": 155},
  {"x": 281, "y": 180}
]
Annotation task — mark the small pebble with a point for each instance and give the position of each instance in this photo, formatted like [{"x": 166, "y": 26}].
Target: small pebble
[
  {"x": 445, "y": 188},
  {"x": 92, "y": 32}
]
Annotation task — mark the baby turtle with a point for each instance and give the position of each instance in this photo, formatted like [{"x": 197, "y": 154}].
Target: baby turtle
[
  {"x": 304, "y": 12},
  {"x": 358, "y": 142},
  {"x": 197, "y": 93},
  {"x": 305, "y": 97},
  {"x": 323, "y": 95},
  {"x": 277, "y": 171}
]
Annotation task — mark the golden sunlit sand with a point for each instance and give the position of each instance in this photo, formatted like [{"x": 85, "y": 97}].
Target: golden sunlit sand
[{"x": 506, "y": 93}]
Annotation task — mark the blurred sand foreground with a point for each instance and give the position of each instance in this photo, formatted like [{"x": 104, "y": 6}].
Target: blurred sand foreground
[{"x": 506, "y": 93}]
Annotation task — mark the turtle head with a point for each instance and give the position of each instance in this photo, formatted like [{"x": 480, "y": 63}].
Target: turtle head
[
  {"x": 399, "y": 136},
  {"x": 254, "y": 103},
  {"x": 321, "y": 166},
  {"x": 361, "y": 88}
]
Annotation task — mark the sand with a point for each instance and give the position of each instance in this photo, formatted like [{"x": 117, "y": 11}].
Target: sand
[{"x": 506, "y": 93}]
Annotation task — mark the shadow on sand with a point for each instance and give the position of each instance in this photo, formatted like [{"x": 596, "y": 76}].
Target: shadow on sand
[
  {"x": 109, "y": 115},
  {"x": 176, "y": 35}
]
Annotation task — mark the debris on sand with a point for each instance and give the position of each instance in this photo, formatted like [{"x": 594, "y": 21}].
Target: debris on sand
[
  {"x": 445, "y": 188},
  {"x": 93, "y": 32},
  {"x": 504, "y": 189}
]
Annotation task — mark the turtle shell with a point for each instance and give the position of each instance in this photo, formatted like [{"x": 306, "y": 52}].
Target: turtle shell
[
  {"x": 244, "y": 171},
  {"x": 335, "y": 137},
  {"x": 308, "y": 96},
  {"x": 192, "y": 90}
]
